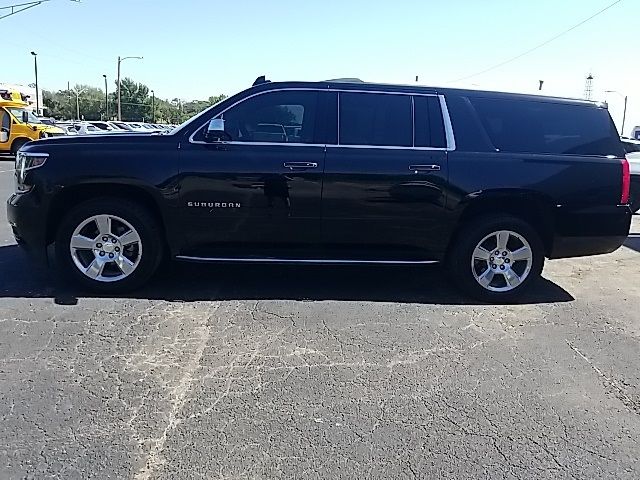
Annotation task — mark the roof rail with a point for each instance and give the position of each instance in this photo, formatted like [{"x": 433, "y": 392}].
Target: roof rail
[
  {"x": 345, "y": 80},
  {"x": 260, "y": 80}
]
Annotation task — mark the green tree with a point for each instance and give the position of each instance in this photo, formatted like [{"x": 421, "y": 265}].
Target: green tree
[
  {"x": 135, "y": 101},
  {"x": 136, "y": 104}
]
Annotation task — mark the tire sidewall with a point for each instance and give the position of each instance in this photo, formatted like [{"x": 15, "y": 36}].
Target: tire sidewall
[
  {"x": 137, "y": 216},
  {"x": 468, "y": 239}
]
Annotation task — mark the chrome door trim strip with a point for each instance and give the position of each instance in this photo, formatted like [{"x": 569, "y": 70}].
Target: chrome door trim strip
[{"x": 189, "y": 258}]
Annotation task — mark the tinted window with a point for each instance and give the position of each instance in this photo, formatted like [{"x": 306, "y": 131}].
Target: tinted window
[
  {"x": 375, "y": 119},
  {"x": 429, "y": 125},
  {"x": 280, "y": 117},
  {"x": 6, "y": 120},
  {"x": 543, "y": 127}
]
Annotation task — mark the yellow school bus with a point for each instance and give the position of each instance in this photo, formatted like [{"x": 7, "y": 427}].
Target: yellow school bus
[{"x": 19, "y": 125}]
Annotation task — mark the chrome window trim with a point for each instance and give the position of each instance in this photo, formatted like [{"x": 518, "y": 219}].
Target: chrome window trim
[
  {"x": 448, "y": 126},
  {"x": 390, "y": 147},
  {"x": 280, "y": 144},
  {"x": 451, "y": 145}
]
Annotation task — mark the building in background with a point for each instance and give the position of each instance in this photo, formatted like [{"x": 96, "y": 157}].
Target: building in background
[{"x": 26, "y": 91}]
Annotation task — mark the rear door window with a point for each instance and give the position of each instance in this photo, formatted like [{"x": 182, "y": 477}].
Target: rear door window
[
  {"x": 429, "y": 125},
  {"x": 375, "y": 119},
  {"x": 525, "y": 126}
]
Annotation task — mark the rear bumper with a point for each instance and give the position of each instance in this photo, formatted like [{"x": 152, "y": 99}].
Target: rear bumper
[
  {"x": 567, "y": 247},
  {"x": 592, "y": 234},
  {"x": 28, "y": 223}
]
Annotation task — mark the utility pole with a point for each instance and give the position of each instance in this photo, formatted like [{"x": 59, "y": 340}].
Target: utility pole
[
  {"x": 106, "y": 99},
  {"x": 624, "y": 113},
  {"x": 588, "y": 87},
  {"x": 78, "y": 93},
  {"x": 35, "y": 62},
  {"x": 153, "y": 106},
  {"x": 120, "y": 60}
]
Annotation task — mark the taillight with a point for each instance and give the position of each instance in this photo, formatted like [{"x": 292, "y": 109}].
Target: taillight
[{"x": 626, "y": 182}]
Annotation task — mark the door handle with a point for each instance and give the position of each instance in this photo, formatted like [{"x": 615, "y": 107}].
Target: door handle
[
  {"x": 300, "y": 165},
  {"x": 424, "y": 168}
]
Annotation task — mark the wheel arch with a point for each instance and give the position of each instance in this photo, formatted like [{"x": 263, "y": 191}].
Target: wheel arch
[
  {"x": 18, "y": 140},
  {"x": 76, "y": 194},
  {"x": 532, "y": 207}
]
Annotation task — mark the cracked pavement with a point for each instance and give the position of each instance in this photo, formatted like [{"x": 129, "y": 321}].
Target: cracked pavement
[{"x": 237, "y": 372}]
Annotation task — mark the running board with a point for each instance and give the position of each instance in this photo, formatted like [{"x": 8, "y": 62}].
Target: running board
[{"x": 303, "y": 261}]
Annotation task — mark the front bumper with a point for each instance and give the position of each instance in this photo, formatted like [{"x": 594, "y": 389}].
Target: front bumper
[{"x": 28, "y": 223}]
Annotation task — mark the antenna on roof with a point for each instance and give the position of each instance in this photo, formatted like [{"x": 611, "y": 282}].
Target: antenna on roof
[{"x": 260, "y": 80}]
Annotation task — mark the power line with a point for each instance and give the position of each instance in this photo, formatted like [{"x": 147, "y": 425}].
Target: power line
[
  {"x": 21, "y": 7},
  {"x": 547, "y": 42}
]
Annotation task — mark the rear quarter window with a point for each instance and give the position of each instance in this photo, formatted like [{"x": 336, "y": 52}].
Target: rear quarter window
[{"x": 524, "y": 126}]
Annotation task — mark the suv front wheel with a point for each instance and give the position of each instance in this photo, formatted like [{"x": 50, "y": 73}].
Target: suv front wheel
[
  {"x": 496, "y": 258},
  {"x": 109, "y": 246}
]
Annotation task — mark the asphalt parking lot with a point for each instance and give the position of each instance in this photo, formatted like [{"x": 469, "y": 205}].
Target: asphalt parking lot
[{"x": 342, "y": 372}]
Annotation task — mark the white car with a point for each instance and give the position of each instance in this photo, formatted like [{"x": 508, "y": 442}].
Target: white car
[
  {"x": 106, "y": 127},
  {"x": 632, "y": 147},
  {"x": 85, "y": 128}
]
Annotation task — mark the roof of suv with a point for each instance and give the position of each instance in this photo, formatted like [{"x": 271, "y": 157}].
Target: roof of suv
[{"x": 354, "y": 84}]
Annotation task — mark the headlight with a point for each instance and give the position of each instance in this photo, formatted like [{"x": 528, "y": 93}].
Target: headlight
[{"x": 26, "y": 161}]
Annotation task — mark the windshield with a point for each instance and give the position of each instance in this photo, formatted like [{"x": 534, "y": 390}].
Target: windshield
[{"x": 17, "y": 112}]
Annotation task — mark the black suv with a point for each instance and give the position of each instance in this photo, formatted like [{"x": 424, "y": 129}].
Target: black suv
[{"x": 335, "y": 172}]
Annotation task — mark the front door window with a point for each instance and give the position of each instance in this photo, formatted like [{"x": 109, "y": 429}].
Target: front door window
[{"x": 277, "y": 117}]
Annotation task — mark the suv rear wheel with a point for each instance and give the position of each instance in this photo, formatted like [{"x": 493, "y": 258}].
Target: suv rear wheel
[
  {"x": 496, "y": 258},
  {"x": 109, "y": 246}
]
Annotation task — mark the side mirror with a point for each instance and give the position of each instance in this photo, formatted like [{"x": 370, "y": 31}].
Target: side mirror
[
  {"x": 4, "y": 136},
  {"x": 215, "y": 131},
  {"x": 25, "y": 116}
]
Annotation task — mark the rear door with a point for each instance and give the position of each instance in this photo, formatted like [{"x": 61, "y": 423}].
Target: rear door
[{"x": 385, "y": 178}]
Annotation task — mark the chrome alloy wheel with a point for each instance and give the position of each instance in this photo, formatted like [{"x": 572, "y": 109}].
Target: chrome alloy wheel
[
  {"x": 106, "y": 248},
  {"x": 502, "y": 261}
]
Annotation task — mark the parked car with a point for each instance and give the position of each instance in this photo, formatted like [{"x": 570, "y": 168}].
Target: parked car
[
  {"x": 632, "y": 147},
  {"x": 123, "y": 126},
  {"x": 487, "y": 183},
  {"x": 68, "y": 128},
  {"x": 86, "y": 128},
  {"x": 105, "y": 126}
]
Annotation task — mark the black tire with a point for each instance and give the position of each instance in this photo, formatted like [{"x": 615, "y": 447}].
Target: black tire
[
  {"x": 149, "y": 233},
  {"x": 17, "y": 145},
  {"x": 461, "y": 255}
]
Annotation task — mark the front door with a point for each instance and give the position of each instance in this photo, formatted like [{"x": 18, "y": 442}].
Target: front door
[
  {"x": 385, "y": 180},
  {"x": 5, "y": 130},
  {"x": 258, "y": 194}
]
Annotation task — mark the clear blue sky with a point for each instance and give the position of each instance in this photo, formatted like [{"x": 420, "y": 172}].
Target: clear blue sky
[{"x": 197, "y": 48}]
